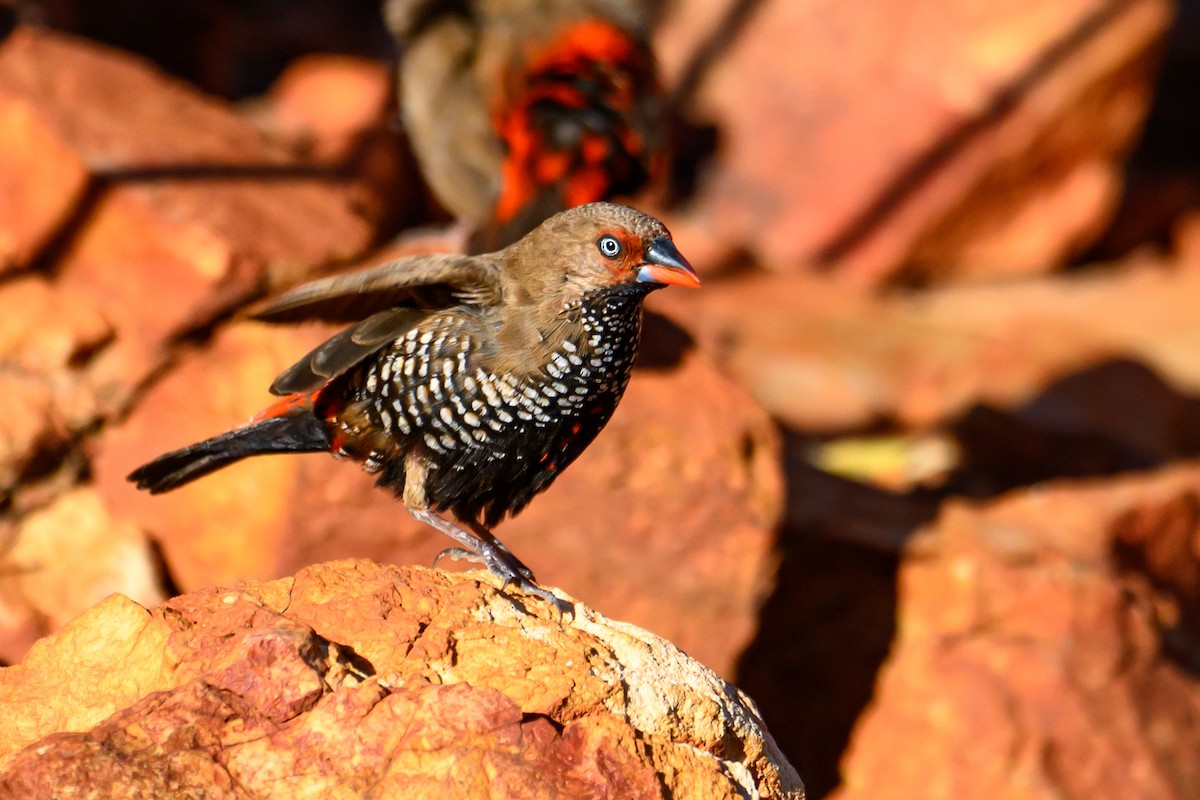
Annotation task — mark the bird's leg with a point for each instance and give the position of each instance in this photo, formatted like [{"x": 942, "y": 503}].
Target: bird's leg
[
  {"x": 480, "y": 545},
  {"x": 490, "y": 539}
]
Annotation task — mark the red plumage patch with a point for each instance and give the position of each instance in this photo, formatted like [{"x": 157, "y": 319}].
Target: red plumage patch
[
  {"x": 592, "y": 70},
  {"x": 282, "y": 406}
]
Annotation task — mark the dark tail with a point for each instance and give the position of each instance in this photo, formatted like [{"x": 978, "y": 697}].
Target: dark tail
[{"x": 296, "y": 431}]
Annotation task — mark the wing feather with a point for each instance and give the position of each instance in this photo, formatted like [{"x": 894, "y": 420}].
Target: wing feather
[
  {"x": 426, "y": 281},
  {"x": 342, "y": 351}
]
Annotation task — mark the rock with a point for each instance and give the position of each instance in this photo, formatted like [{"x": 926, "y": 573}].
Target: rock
[
  {"x": 824, "y": 358},
  {"x": 354, "y": 679},
  {"x": 916, "y": 140},
  {"x": 166, "y": 183},
  {"x": 1158, "y": 546},
  {"x": 1185, "y": 236},
  {"x": 668, "y": 518},
  {"x": 233, "y": 524},
  {"x": 29, "y": 427},
  {"x": 70, "y": 555},
  {"x": 1028, "y": 658},
  {"x": 337, "y": 112},
  {"x": 329, "y": 100},
  {"x": 35, "y": 200},
  {"x": 132, "y": 209},
  {"x": 154, "y": 137}
]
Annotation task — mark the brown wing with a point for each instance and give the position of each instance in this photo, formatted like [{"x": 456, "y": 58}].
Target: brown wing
[
  {"x": 427, "y": 281},
  {"x": 392, "y": 297},
  {"x": 342, "y": 351}
]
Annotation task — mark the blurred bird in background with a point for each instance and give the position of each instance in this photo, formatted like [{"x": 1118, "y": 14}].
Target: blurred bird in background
[{"x": 518, "y": 109}]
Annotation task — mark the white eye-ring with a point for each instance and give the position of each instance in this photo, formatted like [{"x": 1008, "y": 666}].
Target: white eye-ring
[{"x": 609, "y": 246}]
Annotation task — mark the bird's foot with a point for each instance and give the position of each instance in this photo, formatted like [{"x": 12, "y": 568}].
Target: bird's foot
[
  {"x": 509, "y": 569},
  {"x": 504, "y": 557},
  {"x": 484, "y": 548}
]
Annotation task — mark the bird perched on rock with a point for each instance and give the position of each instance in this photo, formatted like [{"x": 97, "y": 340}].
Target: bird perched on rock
[
  {"x": 517, "y": 109},
  {"x": 466, "y": 383}
]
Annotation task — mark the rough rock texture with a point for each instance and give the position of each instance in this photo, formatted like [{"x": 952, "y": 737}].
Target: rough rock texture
[
  {"x": 353, "y": 679},
  {"x": 667, "y": 520},
  {"x": 923, "y": 139},
  {"x": 164, "y": 227},
  {"x": 1045, "y": 647}
]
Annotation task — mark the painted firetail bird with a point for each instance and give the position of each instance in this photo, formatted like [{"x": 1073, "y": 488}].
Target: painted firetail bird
[{"x": 466, "y": 383}]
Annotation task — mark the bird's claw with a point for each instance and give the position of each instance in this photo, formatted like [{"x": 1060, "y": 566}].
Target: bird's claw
[
  {"x": 565, "y": 609},
  {"x": 456, "y": 554},
  {"x": 511, "y": 572},
  {"x": 484, "y": 548}
]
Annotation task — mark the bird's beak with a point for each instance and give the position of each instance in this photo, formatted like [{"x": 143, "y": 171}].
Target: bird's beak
[{"x": 664, "y": 264}]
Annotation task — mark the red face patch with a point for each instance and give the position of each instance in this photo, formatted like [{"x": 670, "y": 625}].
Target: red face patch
[{"x": 630, "y": 257}]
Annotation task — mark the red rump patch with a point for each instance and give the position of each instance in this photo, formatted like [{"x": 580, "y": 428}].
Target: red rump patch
[
  {"x": 592, "y": 64},
  {"x": 322, "y": 407},
  {"x": 283, "y": 406}
]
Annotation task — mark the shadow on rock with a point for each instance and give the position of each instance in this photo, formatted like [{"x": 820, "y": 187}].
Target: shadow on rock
[
  {"x": 827, "y": 628},
  {"x": 1156, "y": 549},
  {"x": 1116, "y": 416}
]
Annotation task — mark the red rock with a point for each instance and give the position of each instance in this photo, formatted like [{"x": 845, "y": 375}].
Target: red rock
[
  {"x": 824, "y": 358},
  {"x": 667, "y": 519},
  {"x": 148, "y": 209},
  {"x": 28, "y": 426},
  {"x": 1185, "y": 236},
  {"x": 231, "y": 526},
  {"x": 914, "y": 139},
  {"x": 37, "y": 199},
  {"x": 1159, "y": 545},
  {"x": 1023, "y": 665},
  {"x": 70, "y": 555},
  {"x": 175, "y": 197},
  {"x": 354, "y": 678},
  {"x": 337, "y": 113},
  {"x": 45, "y": 329},
  {"x": 330, "y": 99}
]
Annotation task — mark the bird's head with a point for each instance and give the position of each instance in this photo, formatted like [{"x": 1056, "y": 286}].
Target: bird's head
[{"x": 604, "y": 246}]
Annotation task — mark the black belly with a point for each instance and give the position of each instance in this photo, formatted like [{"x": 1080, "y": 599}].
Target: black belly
[{"x": 491, "y": 481}]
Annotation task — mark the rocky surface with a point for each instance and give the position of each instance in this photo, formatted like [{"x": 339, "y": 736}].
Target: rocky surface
[
  {"x": 1045, "y": 646},
  {"x": 135, "y": 209},
  {"x": 822, "y": 358},
  {"x": 353, "y": 679},
  {"x": 915, "y": 140}
]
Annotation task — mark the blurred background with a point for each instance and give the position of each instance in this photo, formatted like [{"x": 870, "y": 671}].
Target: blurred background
[{"x": 916, "y": 468}]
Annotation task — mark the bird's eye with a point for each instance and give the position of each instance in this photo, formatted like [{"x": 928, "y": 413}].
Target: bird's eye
[{"x": 609, "y": 246}]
